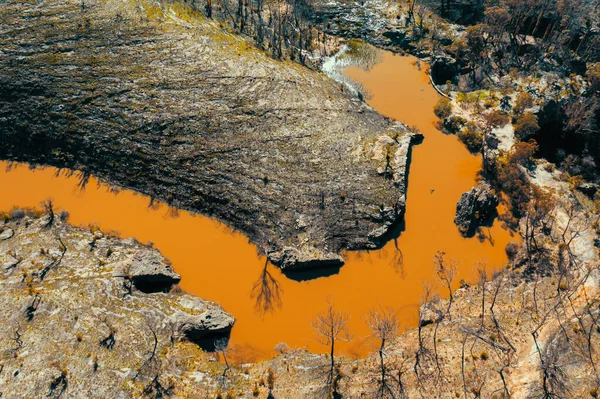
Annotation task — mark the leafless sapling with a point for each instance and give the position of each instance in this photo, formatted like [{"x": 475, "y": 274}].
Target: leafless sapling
[
  {"x": 384, "y": 325},
  {"x": 331, "y": 326}
]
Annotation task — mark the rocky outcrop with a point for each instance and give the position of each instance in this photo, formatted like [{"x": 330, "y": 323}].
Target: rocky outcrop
[
  {"x": 198, "y": 319},
  {"x": 474, "y": 208},
  {"x": 153, "y": 97},
  {"x": 67, "y": 309},
  {"x": 430, "y": 313},
  {"x": 292, "y": 259},
  {"x": 150, "y": 273}
]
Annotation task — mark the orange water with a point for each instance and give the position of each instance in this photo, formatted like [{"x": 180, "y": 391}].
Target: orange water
[{"x": 220, "y": 265}]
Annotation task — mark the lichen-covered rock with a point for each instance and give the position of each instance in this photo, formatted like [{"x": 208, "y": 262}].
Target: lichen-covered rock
[
  {"x": 198, "y": 319},
  {"x": 6, "y": 233},
  {"x": 474, "y": 208},
  {"x": 72, "y": 323},
  {"x": 150, "y": 272}
]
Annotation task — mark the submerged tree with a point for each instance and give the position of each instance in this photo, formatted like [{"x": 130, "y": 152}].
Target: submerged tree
[{"x": 332, "y": 325}]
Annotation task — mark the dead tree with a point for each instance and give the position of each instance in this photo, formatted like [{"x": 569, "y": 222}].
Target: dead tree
[
  {"x": 109, "y": 341},
  {"x": 384, "y": 325},
  {"x": 58, "y": 386},
  {"x": 270, "y": 383},
  {"x": 481, "y": 271},
  {"x": 30, "y": 311},
  {"x": 48, "y": 205},
  {"x": 425, "y": 298},
  {"x": 331, "y": 326},
  {"x": 446, "y": 271},
  {"x": 158, "y": 390},
  {"x": 18, "y": 259},
  {"x": 56, "y": 260},
  {"x": 221, "y": 348}
]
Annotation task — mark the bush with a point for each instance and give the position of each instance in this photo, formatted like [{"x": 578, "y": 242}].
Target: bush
[
  {"x": 17, "y": 214},
  {"x": 512, "y": 249},
  {"x": 454, "y": 123},
  {"x": 63, "y": 215},
  {"x": 522, "y": 153},
  {"x": 593, "y": 76},
  {"x": 471, "y": 137},
  {"x": 443, "y": 108},
  {"x": 511, "y": 177},
  {"x": 496, "y": 119},
  {"x": 514, "y": 182},
  {"x": 526, "y": 126},
  {"x": 524, "y": 100}
]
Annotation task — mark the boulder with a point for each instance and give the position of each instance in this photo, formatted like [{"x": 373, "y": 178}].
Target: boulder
[
  {"x": 151, "y": 273},
  {"x": 475, "y": 208},
  {"x": 6, "y": 233},
  {"x": 290, "y": 258},
  {"x": 429, "y": 314},
  {"x": 197, "y": 319}
]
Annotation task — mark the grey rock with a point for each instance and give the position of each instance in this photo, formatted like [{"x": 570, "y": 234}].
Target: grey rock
[
  {"x": 199, "y": 319},
  {"x": 6, "y": 233},
  {"x": 290, "y": 258},
  {"x": 474, "y": 208},
  {"x": 429, "y": 313},
  {"x": 150, "y": 272}
]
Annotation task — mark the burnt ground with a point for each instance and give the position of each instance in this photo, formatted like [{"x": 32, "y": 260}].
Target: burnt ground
[{"x": 158, "y": 99}]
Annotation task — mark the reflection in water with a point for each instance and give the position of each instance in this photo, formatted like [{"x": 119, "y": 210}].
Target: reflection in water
[
  {"x": 359, "y": 53},
  {"x": 397, "y": 259},
  {"x": 266, "y": 292},
  {"x": 220, "y": 265},
  {"x": 355, "y": 52}
]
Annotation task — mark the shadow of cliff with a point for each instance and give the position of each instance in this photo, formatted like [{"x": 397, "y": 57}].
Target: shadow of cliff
[{"x": 312, "y": 274}]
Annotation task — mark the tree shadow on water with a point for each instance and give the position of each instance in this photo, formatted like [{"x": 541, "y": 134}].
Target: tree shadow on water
[{"x": 266, "y": 292}]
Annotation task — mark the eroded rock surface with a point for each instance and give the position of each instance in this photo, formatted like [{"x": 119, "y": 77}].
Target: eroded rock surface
[
  {"x": 474, "y": 208},
  {"x": 71, "y": 322},
  {"x": 153, "y": 97},
  {"x": 150, "y": 272}
]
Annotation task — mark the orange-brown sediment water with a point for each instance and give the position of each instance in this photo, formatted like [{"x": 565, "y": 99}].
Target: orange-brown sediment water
[{"x": 220, "y": 265}]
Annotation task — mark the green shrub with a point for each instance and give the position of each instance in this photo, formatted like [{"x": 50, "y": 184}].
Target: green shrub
[
  {"x": 496, "y": 119},
  {"x": 443, "y": 108},
  {"x": 455, "y": 123},
  {"x": 524, "y": 100},
  {"x": 526, "y": 126},
  {"x": 471, "y": 137}
]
